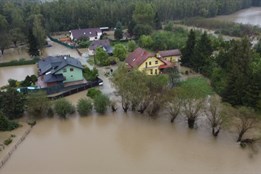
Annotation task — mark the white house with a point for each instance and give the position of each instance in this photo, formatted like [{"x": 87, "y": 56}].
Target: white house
[{"x": 91, "y": 33}]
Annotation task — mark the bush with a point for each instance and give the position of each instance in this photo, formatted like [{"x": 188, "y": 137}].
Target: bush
[
  {"x": 100, "y": 103},
  {"x": 7, "y": 125},
  {"x": 93, "y": 92},
  {"x": 37, "y": 103},
  {"x": 8, "y": 141},
  {"x": 90, "y": 75},
  {"x": 63, "y": 107},
  {"x": 19, "y": 62},
  {"x": 84, "y": 106}
]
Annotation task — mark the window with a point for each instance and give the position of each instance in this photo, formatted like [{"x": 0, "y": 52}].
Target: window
[
  {"x": 156, "y": 62},
  {"x": 71, "y": 69},
  {"x": 149, "y": 63},
  {"x": 146, "y": 65},
  {"x": 156, "y": 71},
  {"x": 64, "y": 70},
  {"x": 151, "y": 71}
]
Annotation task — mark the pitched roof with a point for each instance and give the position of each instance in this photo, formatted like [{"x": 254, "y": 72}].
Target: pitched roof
[
  {"x": 138, "y": 56},
  {"x": 167, "y": 53},
  {"x": 87, "y": 32},
  {"x": 53, "y": 78},
  {"x": 99, "y": 43},
  {"x": 166, "y": 64},
  {"x": 53, "y": 64}
]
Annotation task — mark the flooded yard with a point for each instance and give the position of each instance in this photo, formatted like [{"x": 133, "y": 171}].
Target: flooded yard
[
  {"x": 14, "y": 54},
  {"x": 126, "y": 143},
  {"x": 15, "y": 72}
]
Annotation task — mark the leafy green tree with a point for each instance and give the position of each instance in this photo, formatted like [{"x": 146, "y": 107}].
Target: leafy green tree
[
  {"x": 90, "y": 75},
  {"x": 132, "y": 45},
  {"x": 12, "y": 103},
  {"x": 63, "y": 107},
  {"x": 101, "y": 57},
  {"x": 12, "y": 83},
  {"x": 120, "y": 51},
  {"x": 146, "y": 41},
  {"x": 37, "y": 104},
  {"x": 193, "y": 93},
  {"x": 188, "y": 51},
  {"x": 141, "y": 29},
  {"x": 118, "y": 34},
  {"x": 258, "y": 47},
  {"x": 101, "y": 103},
  {"x": 84, "y": 106},
  {"x": 4, "y": 36}
]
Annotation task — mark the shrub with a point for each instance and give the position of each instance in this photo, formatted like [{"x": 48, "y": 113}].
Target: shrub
[
  {"x": 93, "y": 92},
  {"x": 63, "y": 107},
  {"x": 37, "y": 103},
  {"x": 90, "y": 75},
  {"x": 12, "y": 83},
  {"x": 100, "y": 103},
  {"x": 7, "y": 125},
  {"x": 8, "y": 141},
  {"x": 84, "y": 106}
]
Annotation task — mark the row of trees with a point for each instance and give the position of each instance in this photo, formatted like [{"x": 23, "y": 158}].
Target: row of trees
[
  {"x": 233, "y": 67},
  {"x": 192, "y": 99},
  {"x": 29, "y": 21},
  {"x": 13, "y": 105}
]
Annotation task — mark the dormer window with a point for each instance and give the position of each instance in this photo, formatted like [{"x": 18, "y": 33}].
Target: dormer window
[
  {"x": 156, "y": 62},
  {"x": 64, "y": 70}
]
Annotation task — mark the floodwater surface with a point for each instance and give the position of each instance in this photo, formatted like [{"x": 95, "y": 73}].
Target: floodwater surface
[
  {"x": 126, "y": 144},
  {"x": 15, "y": 72}
]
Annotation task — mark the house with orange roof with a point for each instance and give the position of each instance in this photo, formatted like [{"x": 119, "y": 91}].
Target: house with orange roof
[{"x": 150, "y": 63}]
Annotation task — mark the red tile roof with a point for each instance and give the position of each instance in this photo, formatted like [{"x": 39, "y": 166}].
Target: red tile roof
[
  {"x": 167, "y": 64},
  {"x": 137, "y": 57},
  {"x": 167, "y": 53}
]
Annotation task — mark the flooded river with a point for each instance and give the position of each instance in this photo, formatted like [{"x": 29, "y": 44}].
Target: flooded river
[
  {"x": 15, "y": 72},
  {"x": 250, "y": 16},
  {"x": 126, "y": 144}
]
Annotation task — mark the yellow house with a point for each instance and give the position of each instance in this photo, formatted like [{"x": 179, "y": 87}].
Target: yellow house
[
  {"x": 170, "y": 55},
  {"x": 148, "y": 62}
]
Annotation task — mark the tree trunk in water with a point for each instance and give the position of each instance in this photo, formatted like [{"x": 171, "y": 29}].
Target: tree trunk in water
[
  {"x": 191, "y": 122},
  {"x": 173, "y": 119},
  {"x": 15, "y": 43},
  {"x": 2, "y": 51},
  {"x": 215, "y": 131},
  {"x": 240, "y": 135},
  {"x": 113, "y": 109}
]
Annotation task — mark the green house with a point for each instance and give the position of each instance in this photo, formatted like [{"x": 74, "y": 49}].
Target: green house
[{"x": 59, "y": 70}]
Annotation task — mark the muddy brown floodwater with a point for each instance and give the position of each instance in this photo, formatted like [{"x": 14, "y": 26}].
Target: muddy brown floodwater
[
  {"x": 15, "y": 72},
  {"x": 126, "y": 144}
]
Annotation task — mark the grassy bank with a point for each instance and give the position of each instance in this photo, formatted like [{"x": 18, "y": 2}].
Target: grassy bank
[{"x": 19, "y": 62}]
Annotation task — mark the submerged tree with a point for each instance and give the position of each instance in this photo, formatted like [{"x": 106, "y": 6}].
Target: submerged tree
[
  {"x": 37, "y": 103},
  {"x": 193, "y": 93},
  {"x": 215, "y": 114},
  {"x": 63, "y": 107}
]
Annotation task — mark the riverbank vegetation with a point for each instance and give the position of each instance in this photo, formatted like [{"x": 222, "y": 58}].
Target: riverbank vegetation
[
  {"x": 19, "y": 62},
  {"x": 223, "y": 27}
]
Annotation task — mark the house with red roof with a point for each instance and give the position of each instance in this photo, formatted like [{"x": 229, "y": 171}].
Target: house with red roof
[{"x": 148, "y": 62}]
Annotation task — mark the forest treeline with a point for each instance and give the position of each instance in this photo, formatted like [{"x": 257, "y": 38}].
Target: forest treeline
[{"x": 62, "y": 15}]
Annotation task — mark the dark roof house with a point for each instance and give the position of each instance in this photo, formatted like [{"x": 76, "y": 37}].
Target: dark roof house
[
  {"x": 91, "y": 33},
  {"x": 105, "y": 44},
  {"x": 168, "y": 53},
  {"x": 55, "y": 70}
]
